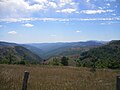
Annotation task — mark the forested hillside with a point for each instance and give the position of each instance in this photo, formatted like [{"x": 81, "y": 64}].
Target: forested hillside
[
  {"x": 14, "y": 53},
  {"x": 104, "y": 56}
]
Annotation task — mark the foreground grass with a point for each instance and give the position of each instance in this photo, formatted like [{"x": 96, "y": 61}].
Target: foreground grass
[{"x": 57, "y": 78}]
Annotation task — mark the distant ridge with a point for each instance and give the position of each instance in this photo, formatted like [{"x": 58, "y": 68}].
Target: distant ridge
[
  {"x": 46, "y": 50},
  {"x": 7, "y": 44}
]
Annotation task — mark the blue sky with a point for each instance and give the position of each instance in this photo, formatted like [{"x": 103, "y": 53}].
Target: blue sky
[{"x": 38, "y": 21}]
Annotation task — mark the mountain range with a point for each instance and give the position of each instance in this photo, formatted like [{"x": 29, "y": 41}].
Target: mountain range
[
  {"x": 36, "y": 52},
  {"x": 47, "y": 50}
]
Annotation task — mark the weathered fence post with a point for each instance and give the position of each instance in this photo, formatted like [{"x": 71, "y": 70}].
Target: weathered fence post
[
  {"x": 118, "y": 83},
  {"x": 25, "y": 79}
]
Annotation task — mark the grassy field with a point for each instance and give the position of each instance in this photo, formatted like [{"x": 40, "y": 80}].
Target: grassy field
[{"x": 57, "y": 78}]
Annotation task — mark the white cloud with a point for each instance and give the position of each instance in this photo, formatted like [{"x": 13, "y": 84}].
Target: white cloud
[
  {"x": 70, "y": 3},
  {"x": 87, "y": 0},
  {"x": 58, "y": 19},
  {"x": 114, "y": 14},
  {"x": 18, "y": 8},
  {"x": 78, "y": 31},
  {"x": 109, "y": 23},
  {"x": 41, "y": 1},
  {"x": 26, "y": 8},
  {"x": 95, "y": 11},
  {"x": 65, "y": 1},
  {"x": 28, "y": 25},
  {"x": 100, "y": 7},
  {"x": 52, "y": 4},
  {"x": 108, "y": 4},
  {"x": 36, "y": 7},
  {"x": 12, "y": 32},
  {"x": 46, "y": 3},
  {"x": 68, "y": 10}
]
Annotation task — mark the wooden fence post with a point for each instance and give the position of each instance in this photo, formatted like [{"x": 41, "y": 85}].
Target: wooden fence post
[
  {"x": 118, "y": 83},
  {"x": 25, "y": 79}
]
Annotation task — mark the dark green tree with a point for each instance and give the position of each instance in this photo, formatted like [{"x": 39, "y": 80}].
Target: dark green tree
[
  {"x": 64, "y": 61},
  {"x": 10, "y": 59},
  {"x": 94, "y": 60},
  {"x": 79, "y": 62},
  {"x": 55, "y": 61},
  {"x": 22, "y": 62}
]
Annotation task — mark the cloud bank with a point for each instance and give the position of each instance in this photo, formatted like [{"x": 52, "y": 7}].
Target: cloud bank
[{"x": 40, "y": 8}]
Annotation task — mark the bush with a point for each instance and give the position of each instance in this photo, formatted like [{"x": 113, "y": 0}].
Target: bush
[
  {"x": 64, "y": 61},
  {"x": 21, "y": 62}
]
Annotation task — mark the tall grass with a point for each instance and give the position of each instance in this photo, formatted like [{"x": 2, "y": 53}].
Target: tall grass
[{"x": 57, "y": 78}]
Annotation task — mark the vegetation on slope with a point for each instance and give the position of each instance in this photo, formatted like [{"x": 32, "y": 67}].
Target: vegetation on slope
[
  {"x": 106, "y": 56},
  {"x": 17, "y": 54}
]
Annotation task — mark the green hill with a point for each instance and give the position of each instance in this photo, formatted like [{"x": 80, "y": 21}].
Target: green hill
[
  {"x": 106, "y": 56},
  {"x": 14, "y": 53},
  {"x": 34, "y": 50}
]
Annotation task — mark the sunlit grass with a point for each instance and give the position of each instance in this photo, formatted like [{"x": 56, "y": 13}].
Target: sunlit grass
[{"x": 57, "y": 78}]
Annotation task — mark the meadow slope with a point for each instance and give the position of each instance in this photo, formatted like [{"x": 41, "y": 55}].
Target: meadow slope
[{"x": 57, "y": 78}]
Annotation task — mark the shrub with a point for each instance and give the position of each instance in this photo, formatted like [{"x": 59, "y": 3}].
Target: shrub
[{"x": 64, "y": 61}]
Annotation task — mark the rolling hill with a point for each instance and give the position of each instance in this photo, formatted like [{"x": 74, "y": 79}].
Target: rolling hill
[
  {"x": 47, "y": 50},
  {"x": 13, "y": 53},
  {"x": 34, "y": 49},
  {"x": 106, "y": 56},
  {"x": 33, "y": 52}
]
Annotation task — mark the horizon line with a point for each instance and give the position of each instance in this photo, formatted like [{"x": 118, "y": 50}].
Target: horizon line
[{"x": 59, "y": 41}]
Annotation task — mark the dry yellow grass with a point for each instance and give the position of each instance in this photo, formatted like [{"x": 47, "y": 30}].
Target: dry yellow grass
[{"x": 57, "y": 78}]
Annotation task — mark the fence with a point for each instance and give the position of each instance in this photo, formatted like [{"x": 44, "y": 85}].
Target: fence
[
  {"x": 25, "y": 79},
  {"x": 118, "y": 83}
]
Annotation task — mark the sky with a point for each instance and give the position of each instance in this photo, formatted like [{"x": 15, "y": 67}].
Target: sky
[{"x": 40, "y": 21}]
